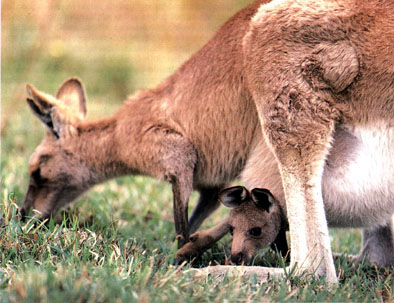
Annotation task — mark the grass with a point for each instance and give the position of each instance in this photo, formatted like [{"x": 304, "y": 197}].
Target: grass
[{"x": 116, "y": 243}]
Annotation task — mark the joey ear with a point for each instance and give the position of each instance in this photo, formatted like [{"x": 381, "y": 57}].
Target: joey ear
[
  {"x": 233, "y": 196},
  {"x": 263, "y": 198},
  {"x": 72, "y": 93},
  {"x": 42, "y": 105}
]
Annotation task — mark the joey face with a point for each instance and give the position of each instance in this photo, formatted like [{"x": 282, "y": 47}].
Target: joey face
[
  {"x": 57, "y": 174},
  {"x": 255, "y": 221}
]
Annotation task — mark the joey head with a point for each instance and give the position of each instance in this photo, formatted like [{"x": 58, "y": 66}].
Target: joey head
[{"x": 256, "y": 221}]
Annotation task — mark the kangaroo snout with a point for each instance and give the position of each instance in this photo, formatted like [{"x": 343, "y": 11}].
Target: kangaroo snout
[
  {"x": 22, "y": 214},
  {"x": 242, "y": 250},
  {"x": 238, "y": 258}
]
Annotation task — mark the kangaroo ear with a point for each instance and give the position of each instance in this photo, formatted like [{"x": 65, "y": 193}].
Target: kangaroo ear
[
  {"x": 57, "y": 115},
  {"x": 263, "y": 198},
  {"x": 72, "y": 93},
  {"x": 42, "y": 105},
  {"x": 233, "y": 196}
]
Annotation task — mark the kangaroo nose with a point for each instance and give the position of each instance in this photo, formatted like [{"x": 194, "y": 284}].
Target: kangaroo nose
[
  {"x": 237, "y": 258},
  {"x": 22, "y": 214}
]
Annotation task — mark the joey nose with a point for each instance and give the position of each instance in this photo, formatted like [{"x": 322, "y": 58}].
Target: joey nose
[{"x": 237, "y": 258}]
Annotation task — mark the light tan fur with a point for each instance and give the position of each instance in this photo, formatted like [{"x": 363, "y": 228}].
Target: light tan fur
[{"x": 320, "y": 74}]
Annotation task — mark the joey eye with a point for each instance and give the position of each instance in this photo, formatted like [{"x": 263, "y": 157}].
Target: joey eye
[
  {"x": 231, "y": 230},
  {"x": 255, "y": 232}
]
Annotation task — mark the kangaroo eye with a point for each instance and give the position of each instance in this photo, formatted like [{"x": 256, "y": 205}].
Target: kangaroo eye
[
  {"x": 255, "y": 232},
  {"x": 231, "y": 230},
  {"x": 36, "y": 175}
]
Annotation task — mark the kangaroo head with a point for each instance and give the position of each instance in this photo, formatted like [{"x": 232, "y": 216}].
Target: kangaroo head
[
  {"x": 255, "y": 220},
  {"x": 57, "y": 174}
]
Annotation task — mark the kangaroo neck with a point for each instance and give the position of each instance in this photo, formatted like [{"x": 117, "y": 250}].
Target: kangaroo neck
[
  {"x": 117, "y": 145},
  {"x": 98, "y": 147}
]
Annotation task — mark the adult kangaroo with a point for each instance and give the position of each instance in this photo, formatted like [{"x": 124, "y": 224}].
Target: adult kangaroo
[
  {"x": 182, "y": 131},
  {"x": 320, "y": 75}
]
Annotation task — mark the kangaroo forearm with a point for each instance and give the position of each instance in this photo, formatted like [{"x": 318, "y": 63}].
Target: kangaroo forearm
[
  {"x": 218, "y": 231},
  {"x": 203, "y": 240}
]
